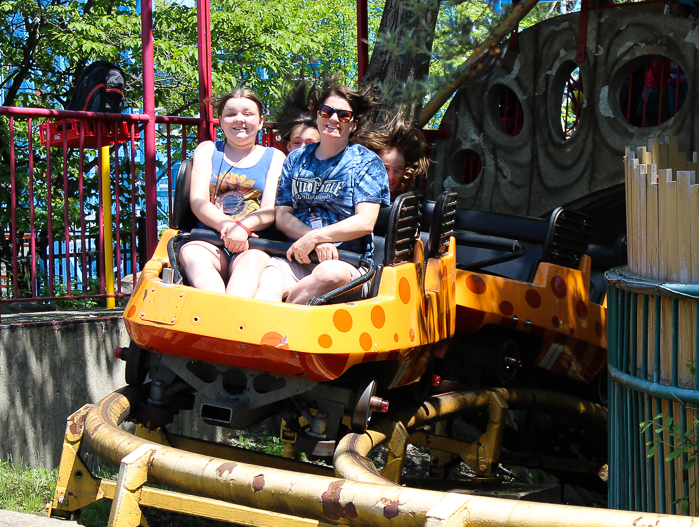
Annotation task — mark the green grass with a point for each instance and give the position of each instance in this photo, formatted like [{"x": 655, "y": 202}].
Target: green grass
[{"x": 24, "y": 489}]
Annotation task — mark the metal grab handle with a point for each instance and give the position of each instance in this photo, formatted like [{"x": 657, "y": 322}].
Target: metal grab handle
[{"x": 272, "y": 247}]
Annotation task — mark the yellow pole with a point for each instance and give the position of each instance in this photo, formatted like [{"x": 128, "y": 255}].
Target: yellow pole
[{"x": 107, "y": 212}]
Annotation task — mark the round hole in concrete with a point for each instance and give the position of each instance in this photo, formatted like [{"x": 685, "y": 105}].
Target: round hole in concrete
[{"x": 466, "y": 166}]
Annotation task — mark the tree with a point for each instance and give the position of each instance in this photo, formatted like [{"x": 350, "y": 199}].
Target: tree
[
  {"x": 47, "y": 43},
  {"x": 426, "y": 48}
]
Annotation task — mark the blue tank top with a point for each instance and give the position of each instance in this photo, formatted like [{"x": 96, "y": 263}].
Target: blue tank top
[{"x": 237, "y": 191}]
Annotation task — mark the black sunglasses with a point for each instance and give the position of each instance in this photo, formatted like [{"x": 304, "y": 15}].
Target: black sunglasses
[{"x": 344, "y": 116}]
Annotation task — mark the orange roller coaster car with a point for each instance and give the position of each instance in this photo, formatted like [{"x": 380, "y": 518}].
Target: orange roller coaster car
[
  {"x": 313, "y": 364},
  {"x": 543, "y": 312}
]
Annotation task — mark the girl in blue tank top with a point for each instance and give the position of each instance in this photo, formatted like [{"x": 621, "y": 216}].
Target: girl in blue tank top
[{"x": 232, "y": 190}]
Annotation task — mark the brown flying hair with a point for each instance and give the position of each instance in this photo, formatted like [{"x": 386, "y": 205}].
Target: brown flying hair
[{"x": 400, "y": 135}]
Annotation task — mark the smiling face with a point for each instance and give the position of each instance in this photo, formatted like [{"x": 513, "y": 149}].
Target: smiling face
[
  {"x": 241, "y": 120},
  {"x": 331, "y": 128},
  {"x": 302, "y": 135},
  {"x": 394, "y": 162}
]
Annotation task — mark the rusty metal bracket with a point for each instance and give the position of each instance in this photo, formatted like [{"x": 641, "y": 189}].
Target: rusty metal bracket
[
  {"x": 133, "y": 474},
  {"x": 396, "y": 453},
  {"x": 481, "y": 455},
  {"x": 76, "y": 487}
]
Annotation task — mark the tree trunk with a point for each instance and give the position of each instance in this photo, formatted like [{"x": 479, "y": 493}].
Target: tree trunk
[{"x": 396, "y": 71}]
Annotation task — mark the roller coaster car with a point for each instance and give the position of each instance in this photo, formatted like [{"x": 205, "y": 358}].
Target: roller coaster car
[
  {"x": 248, "y": 358},
  {"x": 527, "y": 303}
]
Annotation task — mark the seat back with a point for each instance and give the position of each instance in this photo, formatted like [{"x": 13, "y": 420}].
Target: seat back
[
  {"x": 567, "y": 238},
  {"x": 182, "y": 216},
  {"x": 403, "y": 229},
  {"x": 442, "y": 225}
]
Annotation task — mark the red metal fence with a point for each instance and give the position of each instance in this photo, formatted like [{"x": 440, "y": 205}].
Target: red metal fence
[{"x": 72, "y": 181}]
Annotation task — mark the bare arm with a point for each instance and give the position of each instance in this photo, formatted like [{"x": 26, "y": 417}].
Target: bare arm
[
  {"x": 356, "y": 226},
  {"x": 199, "y": 199}
]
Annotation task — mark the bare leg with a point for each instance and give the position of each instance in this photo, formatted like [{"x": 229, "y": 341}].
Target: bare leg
[
  {"x": 326, "y": 276},
  {"x": 245, "y": 271},
  {"x": 205, "y": 266},
  {"x": 273, "y": 285}
]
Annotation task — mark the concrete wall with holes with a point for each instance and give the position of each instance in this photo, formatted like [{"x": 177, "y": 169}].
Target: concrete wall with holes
[
  {"x": 52, "y": 365},
  {"x": 542, "y": 167}
]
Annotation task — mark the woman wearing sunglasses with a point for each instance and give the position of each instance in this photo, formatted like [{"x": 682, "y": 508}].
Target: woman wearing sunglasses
[{"x": 328, "y": 198}]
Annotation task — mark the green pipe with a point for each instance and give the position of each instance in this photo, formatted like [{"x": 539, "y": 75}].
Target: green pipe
[
  {"x": 671, "y": 463},
  {"x": 675, "y": 337},
  {"x": 633, "y": 350},
  {"x": 635, "y": 482},
  {"x": 684, "y": 458},
  {"x": 641, "y": 455},
  {"x": 620, "y": 448},
  {"x": 627, "y": 337},
  {"x": 696, "y": 347},
  {"x": 671, "y": 393},
  {"x": 660, "y": 459},
  {"x": 623, "y": 279},
  {"x": 644, "y": 340},
  {"x": 629, "y": 432},
  {"x": 649, "y": 461},
  {"x": 656, "y": 357},
  {"x": 611, "y": 445}
]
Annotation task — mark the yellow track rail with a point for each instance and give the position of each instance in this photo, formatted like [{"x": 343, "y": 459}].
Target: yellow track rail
[{"x": 253, "y": 495}]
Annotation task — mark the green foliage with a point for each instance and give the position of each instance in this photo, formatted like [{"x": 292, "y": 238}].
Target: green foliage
[
  {"x": 264, "y": 45},
  {"x": 268, "y": 444},
  {"x": 23, "y": 489},
  {"x": 668, "y": 438}
]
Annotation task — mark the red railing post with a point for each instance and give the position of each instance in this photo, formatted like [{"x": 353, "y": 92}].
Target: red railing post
[
  {"x": 149, "y": 134},
  {"x": 206, "y": 112},
  {"x": 362, "y": 39},
  {"x": 13, "y": 208}
]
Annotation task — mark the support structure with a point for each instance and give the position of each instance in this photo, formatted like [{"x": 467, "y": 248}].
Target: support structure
[{"x": 254, "y": 495}]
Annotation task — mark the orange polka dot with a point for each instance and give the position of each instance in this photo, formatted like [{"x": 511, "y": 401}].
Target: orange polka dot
[
  {"x": 395, "y": 337},
  {"x": 476, "y": 284},
  {"x": 453, "y": 288},
  {"x": 132, "y": 311},
  {"x": 444, "y": 270},
  {"x": 559, "y": 287},
  {"x": 365, "y": 341},
  {"x": 555, "y": 322},
  {"x": 272, "y": 339},
  {"x": 325, "y": 341},
  {"x": 506, "y": 308},
  {"x": 342, "y": 320},
  {"x": 598, "y": 329},
  {"x": 581, "y": 309},
  {"x": 378, "y": 317},
  {"x": 404, "y": 290},
  {"x": 533, "y": 298},
  {"x": 412, "y": 335}
]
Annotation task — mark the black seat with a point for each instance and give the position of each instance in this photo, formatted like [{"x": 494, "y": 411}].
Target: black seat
[
  {"x": 396, "y": 233},
  {"x": 567, "y": 238},
  {"x": 403, "y": 229},
  {"x": 182, "y": 216},
  {"x": 442, "y": 225}
]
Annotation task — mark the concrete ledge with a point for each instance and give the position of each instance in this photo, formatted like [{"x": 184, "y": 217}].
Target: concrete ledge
[
  {"x": 17, "y": 519},
  {"x": 51, "y": 364}
]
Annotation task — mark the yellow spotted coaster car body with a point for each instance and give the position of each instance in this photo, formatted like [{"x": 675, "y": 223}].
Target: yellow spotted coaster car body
[
  {"x": 551, "y": 318},
  {"x": 313, "y": 363}
]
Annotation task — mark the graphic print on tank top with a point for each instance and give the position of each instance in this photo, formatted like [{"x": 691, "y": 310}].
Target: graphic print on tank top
[{"x": 235, "y": 194}]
